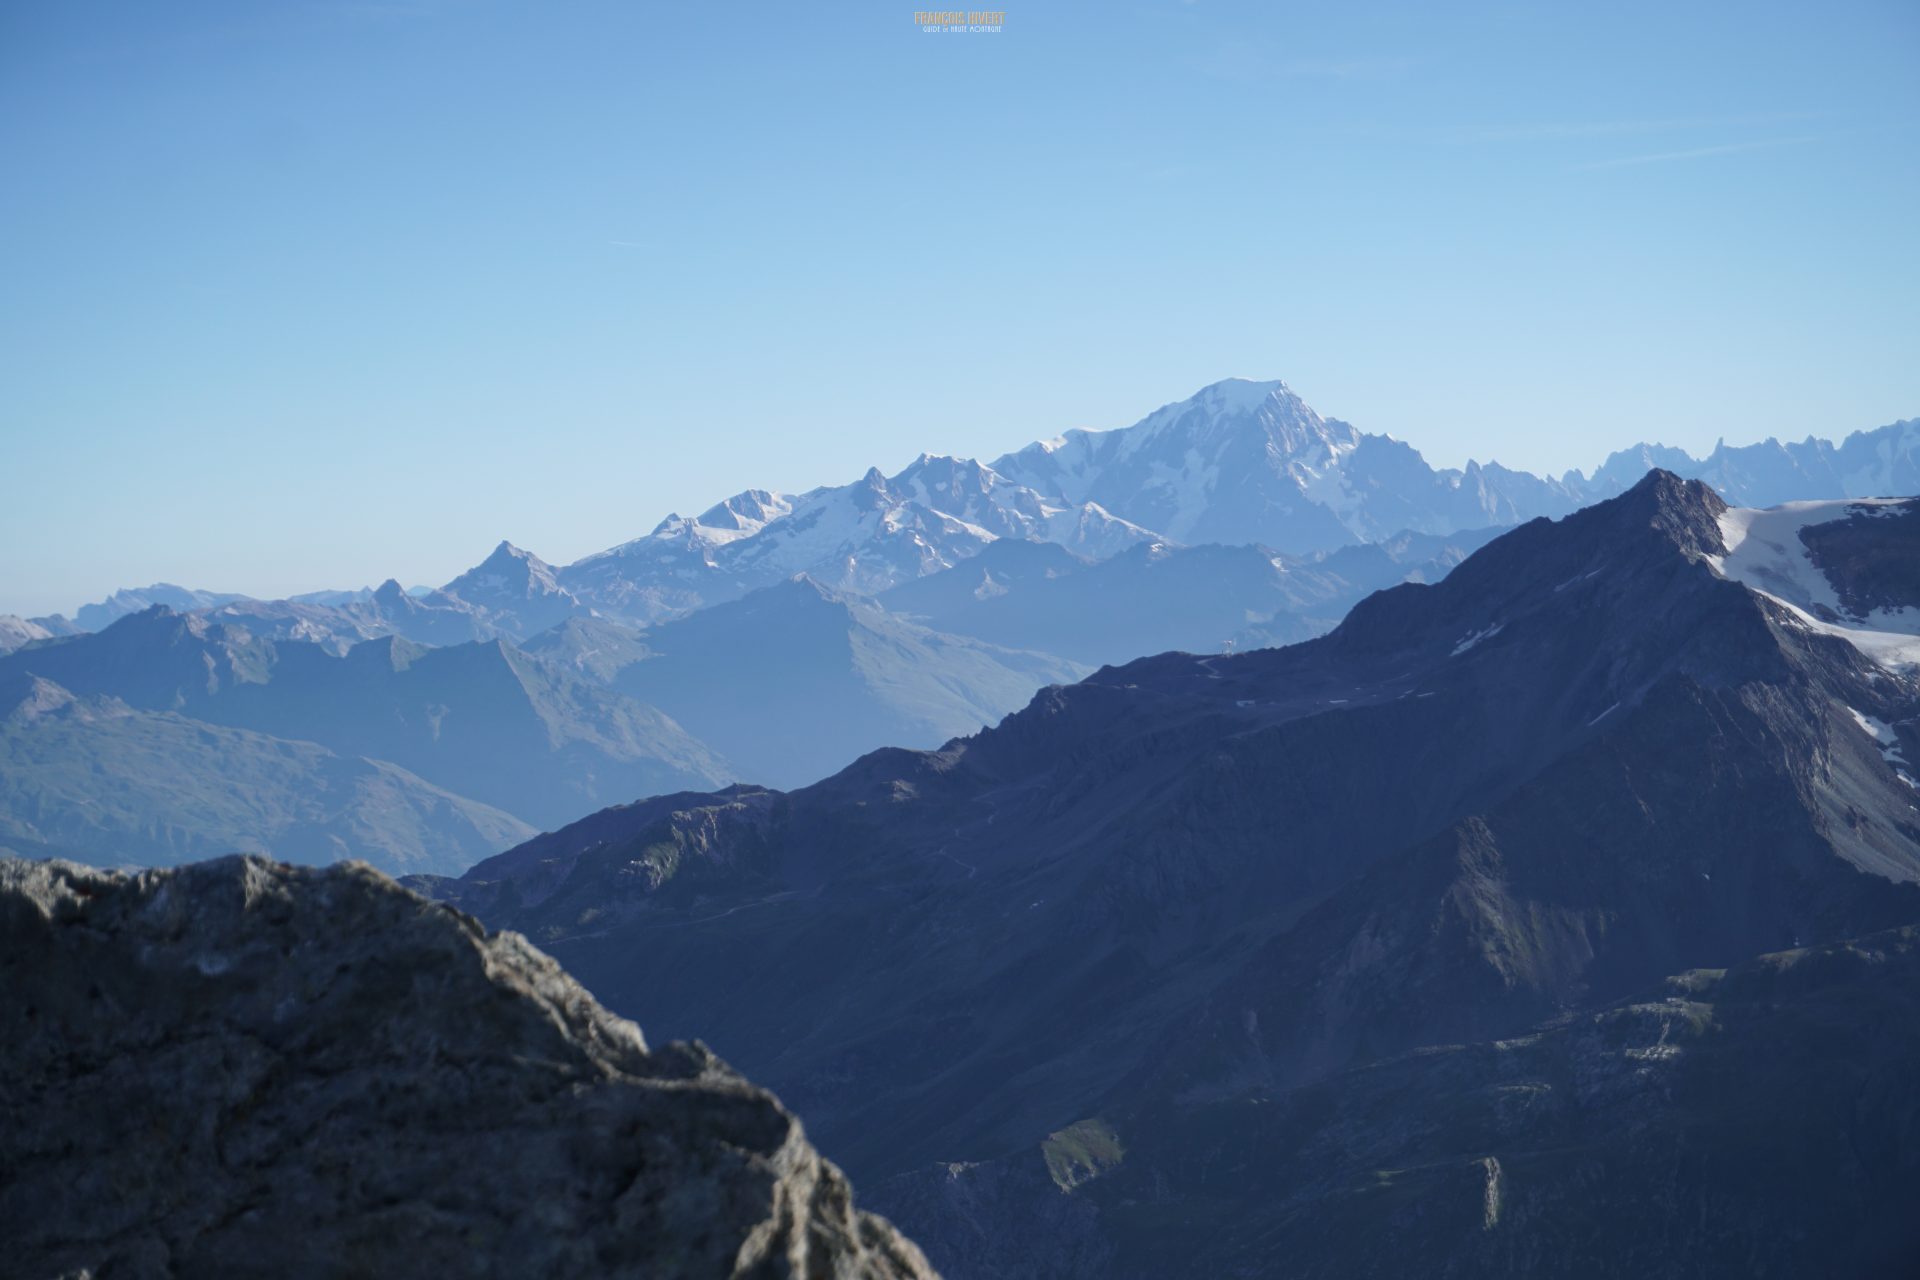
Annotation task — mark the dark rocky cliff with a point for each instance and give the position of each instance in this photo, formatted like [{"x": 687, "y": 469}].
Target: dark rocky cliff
[{"x": 241, "y": 1068}]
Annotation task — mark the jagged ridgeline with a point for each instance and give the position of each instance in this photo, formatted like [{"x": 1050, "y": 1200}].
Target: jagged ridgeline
[
  {"x": 242, "y": 1068},
  {"x": 771, "y": 639},
  {"x": 1557, "y": 918}
]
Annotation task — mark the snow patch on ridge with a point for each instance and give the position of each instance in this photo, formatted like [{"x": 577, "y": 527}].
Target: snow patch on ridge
[
  {"x": 1882, "y": 732},
  {"x": 1469, "y": 641},
  {"x": 1765, "y": 552},
  {"x": 1766, "y": 555}
]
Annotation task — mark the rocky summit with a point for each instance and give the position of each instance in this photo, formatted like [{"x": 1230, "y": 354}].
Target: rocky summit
[{"x": 242, "y": 1068}]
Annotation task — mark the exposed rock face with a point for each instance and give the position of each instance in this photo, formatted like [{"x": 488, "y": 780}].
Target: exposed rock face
[
  {"x": 241, "y": 1068},
  {"x": 1760, "y": 1121},
  {"x": 1093, "y": 978},
  {"x": 1872, "y": 558}
]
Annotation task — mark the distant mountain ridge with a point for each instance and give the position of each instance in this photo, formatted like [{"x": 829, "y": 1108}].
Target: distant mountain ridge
[
  {"x": 1880, "y": 463},
  {"x": 796, "y": 675},
  {"x": 1154, "y": 596},
  {"x": 169, "y": 735},
  {"x": 172, "y": 735},
  {"x": 178, "y": 789},
  {"x": 1244, "y": 462},
  {"x": 1238, "y": 462},
  {"x": 16, "y": 632},
  {"x": 790, "y": 633}
]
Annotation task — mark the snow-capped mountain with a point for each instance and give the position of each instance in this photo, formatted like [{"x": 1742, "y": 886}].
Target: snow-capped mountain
[
  {"x": 1243, "y": 462},
  {"x": 982, "y": 496},
  {"x": 1238, "y": 463},
  {"x": 859, "y": 537},
  {"x": 862, "y": 537}
]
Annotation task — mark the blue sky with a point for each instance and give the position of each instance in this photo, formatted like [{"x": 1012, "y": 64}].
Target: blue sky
[{"x": 303, "y": 295}]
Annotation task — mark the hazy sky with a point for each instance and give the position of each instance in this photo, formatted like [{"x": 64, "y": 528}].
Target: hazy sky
[{"x": 300, "y": 295}]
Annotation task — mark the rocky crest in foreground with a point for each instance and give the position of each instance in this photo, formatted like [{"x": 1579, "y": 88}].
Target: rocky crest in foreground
[{"x": 242, "y": 1068}]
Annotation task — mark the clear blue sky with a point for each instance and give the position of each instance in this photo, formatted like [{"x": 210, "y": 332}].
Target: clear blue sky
[{"x": 298, "y": 295}]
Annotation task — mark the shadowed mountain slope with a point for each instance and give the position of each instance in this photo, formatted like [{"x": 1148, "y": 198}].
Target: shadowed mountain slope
[
  {"x": 1583, "y": 761},
  {"x": 1152, "y": 597},
  {"x": 1755, "y": 1121},
  {"x": 95, "y": 779},
  {"x": 792, "y": 681},
  {"x": 479, "y": 719}
]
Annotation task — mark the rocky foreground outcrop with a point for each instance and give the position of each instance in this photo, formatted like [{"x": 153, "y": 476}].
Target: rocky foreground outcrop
[{"x": 242, "y": 1068}]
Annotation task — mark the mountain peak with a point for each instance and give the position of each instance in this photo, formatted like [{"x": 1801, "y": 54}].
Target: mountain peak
[
  {"x": 507, "y": 559},
  {"x": 40, "y": 697},
  {"x": 1236, "y": 461},
  {"x": 515, "y": 589},
  {"x": 1238, "y": 415},
  {"x": 745, "y": 512},
  {"x": 1632, "y": 541},
  {"x": 1239, "y": 460},
  {"x": 1688, "y": 511},
  {"x": 944, "y": 482},
  {"x": 1243, "y": 393}
]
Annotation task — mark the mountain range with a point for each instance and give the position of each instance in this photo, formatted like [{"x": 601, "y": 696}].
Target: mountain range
[
  {"x": 1154, "y": 597},
  {"x": 795, "y": 675},
  {"x": 1517, "y": 872},
  {"x": 168, "y": 733},
  {"x": 772, "y": 638},
  {"x": 1239, "y": 462},
  {"x": 170, "y": 736},
  {"x": 1558, "y": 912},
  {"x": 125, "y": 785}
]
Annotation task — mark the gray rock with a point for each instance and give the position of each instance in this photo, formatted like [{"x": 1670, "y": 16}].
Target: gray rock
[{"x": 242, "y": 1068}]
